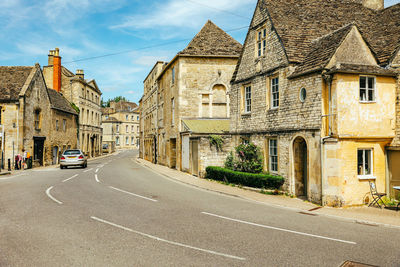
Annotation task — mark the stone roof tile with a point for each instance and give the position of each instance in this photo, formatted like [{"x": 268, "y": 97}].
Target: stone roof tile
[
  {"x": 59, "y": 102},
  {"x": 12, "y": 79}
]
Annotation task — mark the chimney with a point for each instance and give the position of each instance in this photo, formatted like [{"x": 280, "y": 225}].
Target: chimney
[
  {"x": 80, "y": 74},
  {"x": 374, "y": 4},
  {"x": 57, "y": 70},
  {"x": 51, "y": 57}
]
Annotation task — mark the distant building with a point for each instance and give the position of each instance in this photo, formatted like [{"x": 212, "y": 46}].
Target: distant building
[
  {"x": 36, "y": 119},
  {"x": 84, "y": 94},
  {"x": 192, "y": 91},
  {"x": 120, "y": 124}
]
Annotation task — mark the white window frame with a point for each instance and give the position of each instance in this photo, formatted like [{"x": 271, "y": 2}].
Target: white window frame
[
  {"x": 274, "y": 93},
  {"x": 273, "y": 166},
  {"x": 117, "y": 141},
  {"x": 371, "y": 174},
  {"x": 261, "y": 42},
  {"x": 367, "y": 89},
  {"x": 247, "y": 99}
]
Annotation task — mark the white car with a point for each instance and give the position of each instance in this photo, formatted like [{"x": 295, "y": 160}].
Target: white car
[{"x": 73, "y": 157}]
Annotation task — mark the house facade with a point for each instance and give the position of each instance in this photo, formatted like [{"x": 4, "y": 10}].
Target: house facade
[
  {"x": 34, "y": 116},
  {"x": 194, "y": 86},
  {"x": 85, "y": 95},
  {"x": 318, "y": 95},
  {"x": 120, "y": 124}
]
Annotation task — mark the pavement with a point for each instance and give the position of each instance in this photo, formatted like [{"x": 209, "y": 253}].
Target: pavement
[
  {"x": 117, "y": 212},
  {"x": 360, "y": 214}
]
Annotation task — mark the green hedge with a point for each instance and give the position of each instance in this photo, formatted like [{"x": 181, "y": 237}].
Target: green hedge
[{"x": 261, "y": 180}]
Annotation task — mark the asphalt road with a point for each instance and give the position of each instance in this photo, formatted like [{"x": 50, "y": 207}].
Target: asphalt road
[{"x": 118, "y": 213}]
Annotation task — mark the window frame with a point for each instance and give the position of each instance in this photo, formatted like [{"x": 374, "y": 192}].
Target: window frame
[
  {"x": 273, "y": 94},
  {"x": 261, "y": 41},
  {"x": 247, "y": 99},
  {"x": 367, "y": 89},
  {"x": 363, "y": 175},
  {"x": 273, "y": 156}
]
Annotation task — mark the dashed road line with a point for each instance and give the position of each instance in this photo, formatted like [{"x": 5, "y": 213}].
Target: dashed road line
[
  {"x": 70, "y": 178},
  {"x": 51, "y": 197},
  {"x": 97, "y": 170},
  {"x": 132, "y": 194},
  {"x": 97, "y": 178},
  {"x": 167, "y": 241},
  {"x": 280, "y": 229},
  {"x": 88, "y": 170}
]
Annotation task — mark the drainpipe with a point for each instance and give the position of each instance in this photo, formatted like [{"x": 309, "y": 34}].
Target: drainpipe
[{"x": 328, "y": 80}]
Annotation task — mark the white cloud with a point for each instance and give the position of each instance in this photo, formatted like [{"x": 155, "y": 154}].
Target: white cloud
[{"x": 180, "y": 13}]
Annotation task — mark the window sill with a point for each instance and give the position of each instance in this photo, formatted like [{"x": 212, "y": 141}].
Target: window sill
[
  {"x": 366, "y": 177},
  {"x": 367, "y": 102},
  {"x": 247, "y": 114}
]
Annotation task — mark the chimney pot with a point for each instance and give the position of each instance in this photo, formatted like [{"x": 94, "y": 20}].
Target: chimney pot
[{"x": 80, "y": 73}]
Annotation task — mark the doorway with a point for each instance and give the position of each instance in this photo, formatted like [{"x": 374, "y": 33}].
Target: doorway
[
  {"x": 172, "y": 154},
  {"x": 38, "y": 148},
  {"x": 394, "y": 172},
  {"x": 300, "y": 166},
  {"x": 194, "y": 145}
]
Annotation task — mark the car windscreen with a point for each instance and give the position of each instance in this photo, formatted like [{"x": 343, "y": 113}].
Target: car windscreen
[{"x": 72, "y": 152}]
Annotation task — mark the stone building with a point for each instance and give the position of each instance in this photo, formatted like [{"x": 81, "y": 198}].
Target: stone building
[
  {"x": 36, "y": 119},
  {"x": 82, "y": 93},
  {"x": 195, "y": 86},
  {"x": 320, "y": 95},
  {"x": 150, "y": 111},
  {"x": 120, "y": 124}
]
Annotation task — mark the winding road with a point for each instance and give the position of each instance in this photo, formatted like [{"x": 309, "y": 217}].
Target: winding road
[{"x": 119, "y": 213}]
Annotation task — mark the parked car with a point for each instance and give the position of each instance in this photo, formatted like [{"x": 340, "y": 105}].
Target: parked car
[
  {"x": 105, "y": 148},
  {"x": 73, "y": 157}
]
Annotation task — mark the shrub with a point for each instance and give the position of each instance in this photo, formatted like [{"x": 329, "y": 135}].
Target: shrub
[
  {"x": 266, "y": 181},
  {"x": 217, "y": 141},
  {"x": 247, "y": 158}
]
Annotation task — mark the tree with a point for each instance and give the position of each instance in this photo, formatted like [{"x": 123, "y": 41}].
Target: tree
[{"x": 116, "y": 99}]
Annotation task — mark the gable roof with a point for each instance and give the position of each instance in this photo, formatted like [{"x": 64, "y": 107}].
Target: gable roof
[
  {"x": 299, "y": 22},
  {"x": 59, "y": 102},
  {"x": 212, "y": 41},
  {"x": 12, "y": 80},
  {"x": 322, "y": 51}
]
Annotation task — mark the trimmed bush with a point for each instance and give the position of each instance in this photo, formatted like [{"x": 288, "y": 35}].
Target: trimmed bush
[{"x": 261, "y": 180}]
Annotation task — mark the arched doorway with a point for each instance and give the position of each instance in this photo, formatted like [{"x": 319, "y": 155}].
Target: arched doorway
[{"x": 300, "y": 160}]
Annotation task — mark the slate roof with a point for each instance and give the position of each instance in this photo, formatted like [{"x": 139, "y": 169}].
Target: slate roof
[
  {"x": 59, "y": 102},
  {"x": 206, "y": 126},
  {"x": 212, "y": 41},
  {"x": 299, "y": 22},
  {"x": 322, "y": 51},
  {"x": 362, "y": 69},
  {"x": 12, "y": 79}
]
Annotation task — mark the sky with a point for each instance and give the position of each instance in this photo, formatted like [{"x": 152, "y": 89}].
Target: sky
[{"x": 136, "y": 32}]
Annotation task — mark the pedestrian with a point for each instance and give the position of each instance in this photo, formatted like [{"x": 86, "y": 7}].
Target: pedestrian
[{"x": 16, "y": 163}]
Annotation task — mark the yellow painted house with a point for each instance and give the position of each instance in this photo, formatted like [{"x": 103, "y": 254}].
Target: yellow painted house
[{"x": 320, "y": 94}]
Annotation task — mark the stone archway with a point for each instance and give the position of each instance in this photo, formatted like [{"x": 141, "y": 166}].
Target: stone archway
[{"x": 300, "y": 161}]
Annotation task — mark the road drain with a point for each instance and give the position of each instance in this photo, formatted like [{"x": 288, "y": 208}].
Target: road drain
[
  {"x": 355, "y": 264},
  {"x": 308, "y": 213}
]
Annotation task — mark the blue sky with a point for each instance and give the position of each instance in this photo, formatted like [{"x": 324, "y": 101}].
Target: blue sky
[{"x": 151, "y": 30}]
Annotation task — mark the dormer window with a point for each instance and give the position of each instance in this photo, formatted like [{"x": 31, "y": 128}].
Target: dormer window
[{"x": 261, "y": 42}]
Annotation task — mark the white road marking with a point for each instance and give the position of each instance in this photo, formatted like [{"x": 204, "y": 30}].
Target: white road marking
[
  {"x": 97, "y": 178},
  {"x": 88, "y": 170},
  {"x": 76, "y": 175},
  {"x": 97, "y": 170},
  {"x": 167, "y": 241},
  {"x": 126, "y": 192},
  {"x": 51, "y": 197},
  {"x": 280, "y": 229}
]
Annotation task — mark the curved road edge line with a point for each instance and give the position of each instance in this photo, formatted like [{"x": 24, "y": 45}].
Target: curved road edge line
[{"x": 51, "y": 197}]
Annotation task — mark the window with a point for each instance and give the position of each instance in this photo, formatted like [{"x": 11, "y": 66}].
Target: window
[
  {"x": 261, "y": 42},
  {"x": 37, "y": 119},
  {"x": 173, "y": 75},
  {"x": 367, "y": 89},
  {"x": 173, "y": 110},
  {"x": 137, "y": 118},
  {"x": 275, "y": 92},
  {"x": 64, "y": 125},
  {"x": 132, "y": 129},
  {"x": 83, "y": 92},
  {"x": 132, "y": 141},
  {"x": 364, "y": 162},
  {"x": 138, "y": 129},
  {"x": 127, "y": 128},
  {"x": 117, "y": 128},
  {"x": 247, "y": 99},
  {"x": 117, "y": 141},
  {"x": 132, "y": 118},
  {"x": 127, "y": 141},
  {"x": 273, "y": 155},
  {"x": 56, "y": 125},
  {"x": 126, "y": 117},
  {"x": 303, "y": 94}
]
